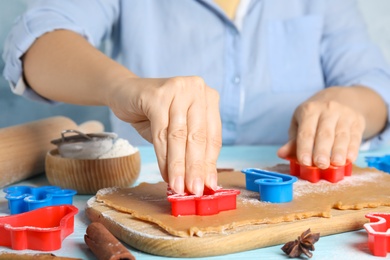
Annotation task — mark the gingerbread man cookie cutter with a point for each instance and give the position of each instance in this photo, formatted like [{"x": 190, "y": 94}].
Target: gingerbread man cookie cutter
[
  {"x": 41, "y": 229},
  {"x": 378, "y": 231},
  {"x": 25, "y": 198},
  {"x": 381, "y": 163}
]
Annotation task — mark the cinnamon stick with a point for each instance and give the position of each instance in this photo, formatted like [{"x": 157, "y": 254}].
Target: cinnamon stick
[{"x": 104, "y": 245}]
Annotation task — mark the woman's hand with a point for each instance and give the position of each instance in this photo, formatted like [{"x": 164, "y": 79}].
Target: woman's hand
[
  {"x": 328, "y": 128},
  {"x": 180, "y": 117},
  {"x": 324, "y": 132}
]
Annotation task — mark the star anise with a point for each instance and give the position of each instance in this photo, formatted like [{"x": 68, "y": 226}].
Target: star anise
[{"x": 303, "y": 245}]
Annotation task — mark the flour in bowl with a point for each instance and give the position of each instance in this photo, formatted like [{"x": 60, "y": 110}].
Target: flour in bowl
[{"x": 121, "y": 147}]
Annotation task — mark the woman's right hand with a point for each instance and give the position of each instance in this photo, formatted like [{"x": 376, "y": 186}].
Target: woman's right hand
[{"x": 180, "y": 117}]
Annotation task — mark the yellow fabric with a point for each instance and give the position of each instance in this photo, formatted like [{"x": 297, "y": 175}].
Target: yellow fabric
[{"x": 229, "y": 6}]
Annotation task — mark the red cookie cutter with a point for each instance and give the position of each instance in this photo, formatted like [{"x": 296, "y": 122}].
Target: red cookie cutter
[
  {"x": 211, "y": 203},
  {"x": 378, "y": 233},
  {"x": 40, "y": 229},
  {"x": 313, "y": 174}
]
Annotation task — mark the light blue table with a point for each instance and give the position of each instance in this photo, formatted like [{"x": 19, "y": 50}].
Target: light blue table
[{"x": 350, "y": 245}]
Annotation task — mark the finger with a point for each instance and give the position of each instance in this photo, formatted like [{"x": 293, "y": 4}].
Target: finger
[
  {"x": 196, "y": 139},
  {"x": 341, "y": 142},
  {"x": 159, "y": 131},
  {"x": 143, "y": 128},
  {"x": 324, "y": 139},
  {"x": 307, "y": 121},
  {"x": 214, "y": 138},
  {"x": 289, "y": 149},
  {"x": 177, "y": 133},
  {"x": 356, "y": 136}
]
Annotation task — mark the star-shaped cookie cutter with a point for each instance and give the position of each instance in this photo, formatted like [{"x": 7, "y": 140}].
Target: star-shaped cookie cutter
[
  {"x": 313, "y": 174},
  {"x": 42, "y": 229},
  {"x": 25, "y": 198},
  {"x": 211, "y": 203},
  {"x": 378, "y": 231},
  {"x": 272, "y": 186},
  {"x": 381, "y": 163}
]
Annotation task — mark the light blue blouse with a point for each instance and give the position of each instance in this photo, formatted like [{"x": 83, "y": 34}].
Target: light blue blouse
[{"x": 271, "y": 58}]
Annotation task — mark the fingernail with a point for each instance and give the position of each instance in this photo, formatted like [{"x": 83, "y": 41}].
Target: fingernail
[
  {"x": 212, "y": 181},
  {"x": 197, "y": 187},
  {"x": 306, "y": 160},
  {"x": 338, "y": 159},
  {"x": 178, "y": 185},
  {"x": 321, "y": 162}
]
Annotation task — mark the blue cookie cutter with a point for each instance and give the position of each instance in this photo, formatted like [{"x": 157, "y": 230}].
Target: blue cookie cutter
[
  {"x": 26, "y": 198},
  {"x": 273, "y": 187},
  {"x": 381, "y": 163}
]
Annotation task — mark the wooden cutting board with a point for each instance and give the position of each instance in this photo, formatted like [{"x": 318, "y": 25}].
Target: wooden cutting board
[{"x": 150, "y": 238}]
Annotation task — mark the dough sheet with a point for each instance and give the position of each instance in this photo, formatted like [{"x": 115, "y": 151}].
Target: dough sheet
[{"x": 366, "y": 187}]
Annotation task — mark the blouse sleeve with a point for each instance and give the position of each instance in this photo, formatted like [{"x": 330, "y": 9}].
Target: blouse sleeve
[{"x": 93, "y": 20}]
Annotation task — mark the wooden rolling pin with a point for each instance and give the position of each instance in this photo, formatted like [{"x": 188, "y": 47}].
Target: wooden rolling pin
[{"x": 23, "y": 147}]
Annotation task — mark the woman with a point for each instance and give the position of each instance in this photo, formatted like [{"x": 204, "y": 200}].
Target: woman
[{"x": 190, "y": 76}]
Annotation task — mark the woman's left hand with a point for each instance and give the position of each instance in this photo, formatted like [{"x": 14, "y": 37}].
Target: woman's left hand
[{"x": 329, "y": 127}]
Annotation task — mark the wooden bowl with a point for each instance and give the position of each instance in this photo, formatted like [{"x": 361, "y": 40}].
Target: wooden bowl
[{"x": 90, "y": 175}]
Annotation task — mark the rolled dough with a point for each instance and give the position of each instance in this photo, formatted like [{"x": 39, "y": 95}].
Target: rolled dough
[{"x": 366, "y": 188}]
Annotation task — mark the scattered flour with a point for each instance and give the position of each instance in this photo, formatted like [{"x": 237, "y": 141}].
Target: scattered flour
[
  {"x": 252, "y": 198},
  {"x": 139, "y": 232},
  {"x": 302, "y": 187},
  {"x": 120, "y": 148}
]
